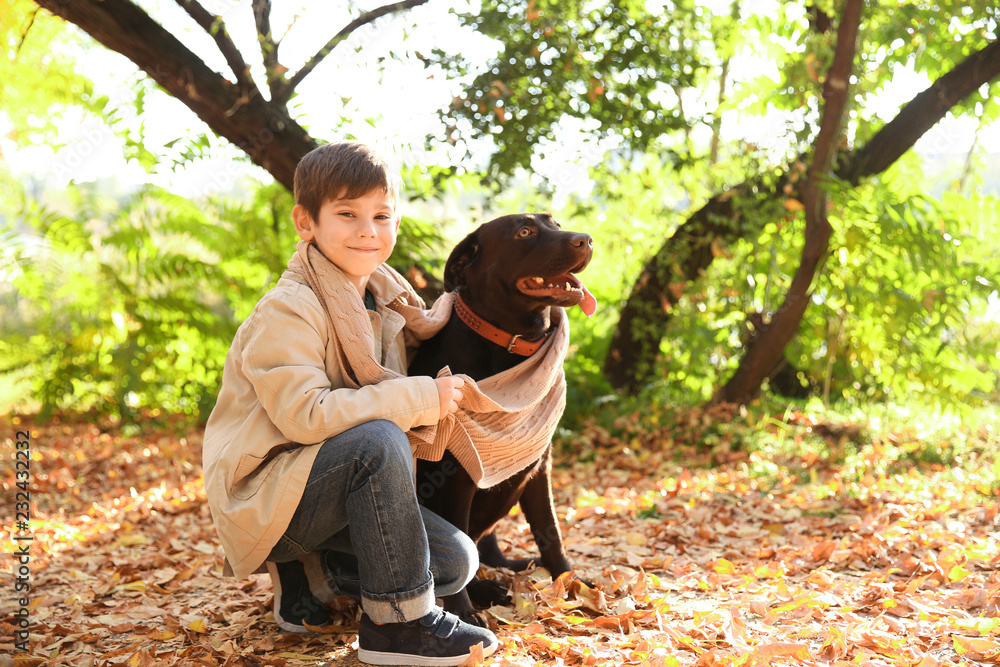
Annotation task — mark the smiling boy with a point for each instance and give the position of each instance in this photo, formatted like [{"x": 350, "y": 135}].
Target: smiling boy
[
  {"x": 356, "y": 232},
  {"x": 306, "y": 456}
]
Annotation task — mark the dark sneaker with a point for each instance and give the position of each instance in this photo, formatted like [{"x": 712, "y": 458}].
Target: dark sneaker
[
  {"x": 294, "y": 606},
  {"x": 437, "y": 639}
]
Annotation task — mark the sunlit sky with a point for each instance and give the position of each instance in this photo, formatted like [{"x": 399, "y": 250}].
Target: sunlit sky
[{"x": 344, "y": 92}]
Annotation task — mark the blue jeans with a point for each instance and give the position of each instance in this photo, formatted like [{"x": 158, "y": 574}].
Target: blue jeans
[{"x": 362, "y": 533}]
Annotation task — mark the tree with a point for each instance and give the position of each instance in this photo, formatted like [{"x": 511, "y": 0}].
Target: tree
[
  {"x": 635, "y": 341},
  {"x": 767, "y": 347},
  {"x": 638, "y": 78},
  {"x": 235, "y": 107},
  {"x": 596, "y": 75}
]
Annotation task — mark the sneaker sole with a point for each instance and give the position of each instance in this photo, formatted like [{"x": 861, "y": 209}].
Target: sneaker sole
[
  {"x": 282, "y": 623},
  {"x": 379, "y": 658}
]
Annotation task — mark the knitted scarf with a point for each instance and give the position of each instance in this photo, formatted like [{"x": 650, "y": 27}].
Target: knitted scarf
[{"x": 504, "y": 422}]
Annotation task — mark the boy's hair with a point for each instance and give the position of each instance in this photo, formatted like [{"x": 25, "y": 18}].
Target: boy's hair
[{"x": 342, "y": 170}]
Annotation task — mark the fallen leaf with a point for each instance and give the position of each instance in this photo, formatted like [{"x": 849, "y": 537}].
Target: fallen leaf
[
  {"x": 475, "y": 657},
  {"x": 977, "y": 649},
  {"x": 782, "y": 649},
  {"x": 198, "y": 625},
  {"x": 723, "y": 566}
]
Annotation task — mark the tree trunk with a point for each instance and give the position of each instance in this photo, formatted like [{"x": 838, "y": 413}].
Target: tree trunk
[
  {"x": 686, "y": 255},
  {"x": 768, "y": 346},
  {"x": 635, "y": 342}
]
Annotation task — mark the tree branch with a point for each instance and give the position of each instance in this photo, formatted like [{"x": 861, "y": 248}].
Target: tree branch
[
  {"x": 263, "y": 131},
  {"x": 268, "y": 48},
  {"x": 921, "y": 114},
  {"x": 281, "y": 93},
  {"x": 24, "y": 33},
  {"x": 214, "y": 26}
]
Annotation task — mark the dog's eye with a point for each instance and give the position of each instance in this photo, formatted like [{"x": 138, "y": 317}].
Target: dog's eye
[{"x": 525, "y": 232}]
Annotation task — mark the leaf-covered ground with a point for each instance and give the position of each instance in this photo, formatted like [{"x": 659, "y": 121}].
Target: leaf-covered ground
[{"x": 831, "y": 547}]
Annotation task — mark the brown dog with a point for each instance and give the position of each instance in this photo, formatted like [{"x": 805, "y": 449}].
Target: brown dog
[{"x": 509, "y": 274}]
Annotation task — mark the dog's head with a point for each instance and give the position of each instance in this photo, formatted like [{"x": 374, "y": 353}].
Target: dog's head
[{"x": 525, "y": 260}]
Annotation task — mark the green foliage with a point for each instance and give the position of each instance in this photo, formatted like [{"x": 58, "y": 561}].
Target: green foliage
[
  {"x": 648, "y": 74},
  {"x": 129, "y": 306},
  {"x": 632, "y": 216},
  {"x": 37, "y": 70},
  {"x": 922, "y": 328},
  {"x": 930, "y": 37},
  {"x": 900, "y": 308},
  {"x": 609, "y": 65}
]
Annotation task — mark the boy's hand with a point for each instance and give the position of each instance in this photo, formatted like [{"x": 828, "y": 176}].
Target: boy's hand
[{"x": 449, "y": 393}]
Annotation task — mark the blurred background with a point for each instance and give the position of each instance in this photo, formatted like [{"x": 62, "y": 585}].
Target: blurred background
[{"x": 146, "y": 150}]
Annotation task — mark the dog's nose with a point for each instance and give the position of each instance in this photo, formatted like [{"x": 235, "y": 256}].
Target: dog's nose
[{"x": 581, "y": 240}]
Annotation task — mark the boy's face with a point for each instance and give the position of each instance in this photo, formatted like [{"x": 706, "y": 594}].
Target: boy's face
[{"x": 355, "y": 234}]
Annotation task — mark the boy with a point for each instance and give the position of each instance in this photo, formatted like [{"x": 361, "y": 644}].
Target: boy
[{"x": 306, "y": 452}]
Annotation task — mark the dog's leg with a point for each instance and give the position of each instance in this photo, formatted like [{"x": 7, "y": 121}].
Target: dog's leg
[
  {"x": 491, "y": 554},
  {"x": 454, "y": 507},
  {"x": 460, "y": 603},
  {"x": 486, "y": 592},
  {"x": 540, "y": 512}
]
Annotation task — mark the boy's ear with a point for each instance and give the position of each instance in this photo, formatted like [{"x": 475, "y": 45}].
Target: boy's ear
[
  {"x": 458, "y": 261},
  {"x": 303, "y": 223}
]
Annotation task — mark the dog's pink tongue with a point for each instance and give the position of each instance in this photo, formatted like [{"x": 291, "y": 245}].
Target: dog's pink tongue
[{"x": 589, "y": 303}]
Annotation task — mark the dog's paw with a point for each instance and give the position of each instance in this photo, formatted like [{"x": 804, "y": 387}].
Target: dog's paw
[
  {"x": 460, "y": 605},
  {"x": 518, "y": 564},
  {"x": 486, "y": 593},
  {"x": 473, "y": 617}
]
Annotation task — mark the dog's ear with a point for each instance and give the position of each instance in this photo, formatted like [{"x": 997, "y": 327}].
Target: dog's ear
[{"x": 461, "y": 256}]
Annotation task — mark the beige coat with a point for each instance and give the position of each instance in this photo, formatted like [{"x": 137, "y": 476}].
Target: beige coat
[{"x": 283, "y": 394}]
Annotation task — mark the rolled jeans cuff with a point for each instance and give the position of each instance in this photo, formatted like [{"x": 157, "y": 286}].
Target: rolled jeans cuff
[{"x": 399, "y": 608}]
